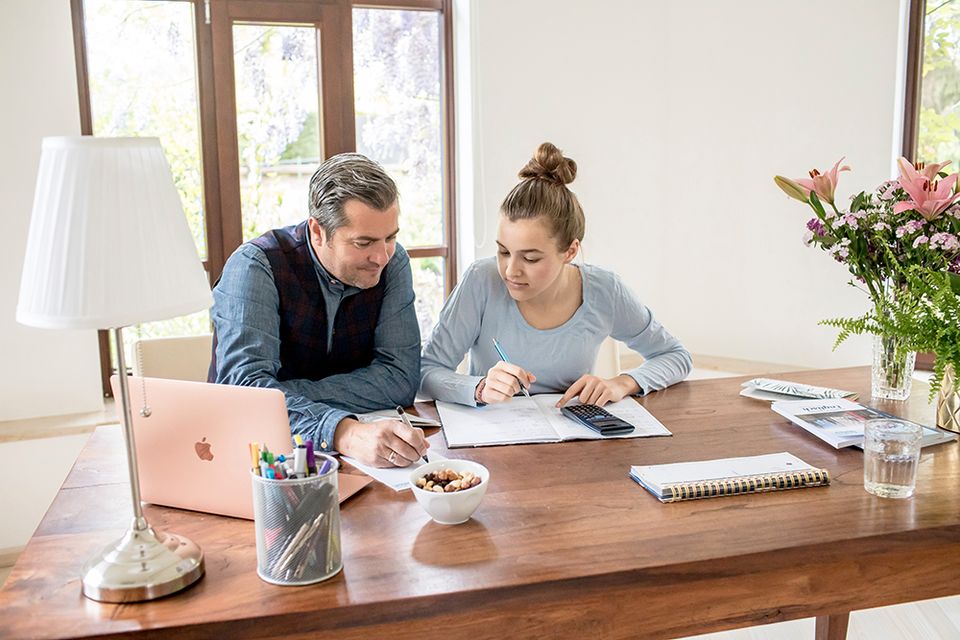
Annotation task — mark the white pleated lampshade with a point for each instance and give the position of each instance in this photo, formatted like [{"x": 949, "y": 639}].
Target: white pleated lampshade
[{"x": 109, "y": 244}]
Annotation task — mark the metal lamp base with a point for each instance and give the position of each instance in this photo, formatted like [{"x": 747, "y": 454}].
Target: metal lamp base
[{"x": 143, "y": 565}]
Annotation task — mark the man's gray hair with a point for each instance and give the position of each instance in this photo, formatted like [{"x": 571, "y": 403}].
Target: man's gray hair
[{"x": 343, "y": 177}]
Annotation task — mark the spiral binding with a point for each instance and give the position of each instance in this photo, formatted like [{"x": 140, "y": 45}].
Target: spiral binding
[{"x": 747, "y": 484}]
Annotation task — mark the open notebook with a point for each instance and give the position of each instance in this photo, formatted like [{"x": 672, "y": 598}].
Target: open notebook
[{"x": 534, "y": 419}]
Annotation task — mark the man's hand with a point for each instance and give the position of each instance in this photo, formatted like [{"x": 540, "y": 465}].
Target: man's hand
[
  {"x": 503, "y": 381},
  {"x": 384, "y": 443},
  {"x": 600, "y": 391}
]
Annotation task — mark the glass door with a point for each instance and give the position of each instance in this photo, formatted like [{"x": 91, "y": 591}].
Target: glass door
[{"x": 283, "y": 81}]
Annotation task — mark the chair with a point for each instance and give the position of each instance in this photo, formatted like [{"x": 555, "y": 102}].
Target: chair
[
  {"x": 607, "y": 364},
  {"x": 181, "y": 358}
]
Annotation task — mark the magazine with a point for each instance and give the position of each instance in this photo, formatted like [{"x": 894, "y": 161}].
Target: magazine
[{"x": 839, "y": 422}]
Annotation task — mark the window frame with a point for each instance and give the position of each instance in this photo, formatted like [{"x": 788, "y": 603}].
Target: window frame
[
  {"x": 913, "y": 91},
  {"x": 916, "y": 20},
  {"x": 215, "y": 80}
]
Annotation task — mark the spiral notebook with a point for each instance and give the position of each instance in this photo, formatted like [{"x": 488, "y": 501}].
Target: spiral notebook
[{"x": 728, "y": 476}]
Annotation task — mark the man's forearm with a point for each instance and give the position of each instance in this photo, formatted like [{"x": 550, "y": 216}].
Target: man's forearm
[
  {"x": 315, "y": 421},
  {"x": 376, "y": 386}
]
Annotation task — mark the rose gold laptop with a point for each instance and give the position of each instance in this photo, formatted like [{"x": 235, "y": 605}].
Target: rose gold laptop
[{"x": 193, "y": 450}]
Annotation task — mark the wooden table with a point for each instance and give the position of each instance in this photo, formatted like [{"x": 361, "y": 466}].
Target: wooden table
[{"x": 563, "y": 545}]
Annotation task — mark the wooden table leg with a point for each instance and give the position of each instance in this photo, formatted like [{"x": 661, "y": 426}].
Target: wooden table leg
[{"x": 832, "y": 627}]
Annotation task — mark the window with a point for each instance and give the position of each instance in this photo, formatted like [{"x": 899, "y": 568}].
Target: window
[
  {"x": 938, "y": 136},
  {"x": 247, "y": 98},
  {"x": 931, "y": 131},
  {"x": 142, "y": 78},
  {"x": 398, "y": 96}
]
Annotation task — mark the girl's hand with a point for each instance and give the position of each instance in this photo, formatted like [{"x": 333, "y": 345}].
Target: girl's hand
[
  {"x": 599, "y": 391},
  {"x": 503, "y": 381}
]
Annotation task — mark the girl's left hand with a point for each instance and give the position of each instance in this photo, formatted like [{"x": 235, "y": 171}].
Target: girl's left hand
[{"x": 599, "y": 391}]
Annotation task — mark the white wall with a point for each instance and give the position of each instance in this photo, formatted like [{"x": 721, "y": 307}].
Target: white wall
[
  {"x": 43, "y": 372},
  {"x": 679, "y": 114}
]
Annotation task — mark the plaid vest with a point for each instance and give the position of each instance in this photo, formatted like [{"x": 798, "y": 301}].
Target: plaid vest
[{"x": 303, "y": 315}]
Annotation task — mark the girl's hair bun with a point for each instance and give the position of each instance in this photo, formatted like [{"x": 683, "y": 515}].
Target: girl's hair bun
[{"x": 548, "y": 163}]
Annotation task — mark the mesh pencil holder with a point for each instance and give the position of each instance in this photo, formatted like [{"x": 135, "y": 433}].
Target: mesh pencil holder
[{"x": 298, "y": 527}]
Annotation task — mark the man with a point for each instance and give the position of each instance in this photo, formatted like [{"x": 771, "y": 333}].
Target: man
[{"x": 323, "y": 311}]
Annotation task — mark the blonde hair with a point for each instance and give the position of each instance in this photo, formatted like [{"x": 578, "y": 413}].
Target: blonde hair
[{"x": 542, "y": 192}]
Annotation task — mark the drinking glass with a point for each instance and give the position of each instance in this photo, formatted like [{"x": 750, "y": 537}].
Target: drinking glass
[{"x": 891, "y": 452}]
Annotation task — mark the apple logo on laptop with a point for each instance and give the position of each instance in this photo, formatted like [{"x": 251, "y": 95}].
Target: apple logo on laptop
[{"x": 203, "y": 450}]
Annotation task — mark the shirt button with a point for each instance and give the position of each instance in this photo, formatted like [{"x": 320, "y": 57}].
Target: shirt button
[
  {"x": 323, "y": 445},
  {"x": 333, "y": 281}
]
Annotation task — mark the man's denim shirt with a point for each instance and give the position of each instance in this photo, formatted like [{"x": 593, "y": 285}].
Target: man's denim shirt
[{"x": 246, "y": 317}]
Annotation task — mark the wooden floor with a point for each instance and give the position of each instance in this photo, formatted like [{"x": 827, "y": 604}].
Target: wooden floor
[{"x": 927, "y": 620}]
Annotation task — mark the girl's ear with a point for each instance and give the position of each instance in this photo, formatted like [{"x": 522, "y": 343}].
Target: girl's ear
[{"x": 571, "y": 251}]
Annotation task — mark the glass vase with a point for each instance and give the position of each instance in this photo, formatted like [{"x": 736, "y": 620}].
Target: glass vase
[
  {"x": 892, "y": 374},
  {"x": 948, "y": 402}
]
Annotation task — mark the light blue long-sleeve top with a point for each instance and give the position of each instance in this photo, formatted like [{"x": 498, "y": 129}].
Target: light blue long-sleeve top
[{"x": 480, "y": 309}]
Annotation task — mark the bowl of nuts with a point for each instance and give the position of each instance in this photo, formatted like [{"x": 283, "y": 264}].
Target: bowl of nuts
[{"x": 450, "y": 490}]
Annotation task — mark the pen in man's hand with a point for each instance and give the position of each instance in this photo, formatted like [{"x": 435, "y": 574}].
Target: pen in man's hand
[
  {"x": 406, "y": 421},
  {"x": 503, "y": 356}
]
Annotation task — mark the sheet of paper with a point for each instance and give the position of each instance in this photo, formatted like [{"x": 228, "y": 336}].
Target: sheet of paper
[
  {"x": 519, "y": 420},
  {"x": 659, "y": 475},
  {"x": 391, "y": 414},
  {"x": 397, "y": 478},
  {"x": 627, "y": 409}
]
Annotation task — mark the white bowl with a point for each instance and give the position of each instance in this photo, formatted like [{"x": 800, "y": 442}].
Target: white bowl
[{"x": 457, "y": 506}]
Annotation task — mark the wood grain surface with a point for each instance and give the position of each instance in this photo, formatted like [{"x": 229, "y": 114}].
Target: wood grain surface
[{"x": 563, "y": 545}]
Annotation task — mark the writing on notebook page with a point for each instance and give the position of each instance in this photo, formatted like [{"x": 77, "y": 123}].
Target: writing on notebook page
[{"x": 534, "y": 419}]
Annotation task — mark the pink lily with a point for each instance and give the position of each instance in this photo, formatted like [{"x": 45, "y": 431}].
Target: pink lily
[
  {"x": 792, "y": 189},
  {"x": 929, "y": 198},
  {"x": 929, "y": 171},
  {"x": 824, "y": 185}
]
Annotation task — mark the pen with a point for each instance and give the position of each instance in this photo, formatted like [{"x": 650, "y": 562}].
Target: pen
[
  {"x": 311, "y": 461},
  {"x": 503, "y": 356},
  {"x": 300, "y": 461},
  {"x": 406, "y": 421}
]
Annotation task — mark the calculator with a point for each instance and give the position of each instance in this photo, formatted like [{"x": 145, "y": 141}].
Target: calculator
[{"x": 598, "y": 419}]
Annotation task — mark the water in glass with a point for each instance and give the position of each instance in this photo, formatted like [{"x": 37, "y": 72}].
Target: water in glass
[{"x": 891, "y": 451}]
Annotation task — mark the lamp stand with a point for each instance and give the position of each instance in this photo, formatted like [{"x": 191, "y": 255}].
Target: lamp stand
[{"x": 144, "y": 564}]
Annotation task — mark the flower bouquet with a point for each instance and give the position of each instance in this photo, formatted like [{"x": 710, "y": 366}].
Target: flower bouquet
[
  {"x": 913, "y": 221},
  {"x": 927, "y": 318}
]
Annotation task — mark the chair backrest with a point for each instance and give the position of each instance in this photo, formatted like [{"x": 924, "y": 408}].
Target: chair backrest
[
  {"x": 181, "y": 358},
  {"x": 608, "y": 359}
]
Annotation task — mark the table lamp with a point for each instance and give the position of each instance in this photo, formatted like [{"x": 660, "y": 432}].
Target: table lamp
[{"x": 109, "y": 247}]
